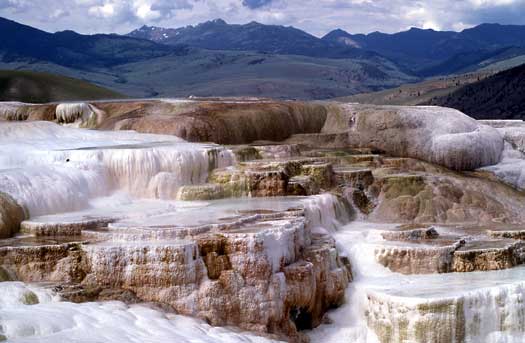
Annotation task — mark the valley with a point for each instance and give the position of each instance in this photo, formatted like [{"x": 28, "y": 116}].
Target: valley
[{"x": 220, "y": 59}]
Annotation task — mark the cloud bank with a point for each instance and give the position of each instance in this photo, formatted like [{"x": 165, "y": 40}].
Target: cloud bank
[{"x": 315, "y": 16}]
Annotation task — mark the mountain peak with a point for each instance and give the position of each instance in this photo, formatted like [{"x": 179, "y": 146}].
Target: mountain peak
[
  {"x": 153, "y": 33},
  {"x": 337, "y": 33},
  {"x": 341, "y": 37},
  {"x": 415, "y": 29},
  {"x": 217, "y": 21}
]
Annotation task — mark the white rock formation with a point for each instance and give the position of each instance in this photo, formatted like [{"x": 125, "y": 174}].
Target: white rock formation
[
  {"x": 511, "y": 168},
  {"x": 13, "y": 111},
  {"x": 49, "y": 169},
  {"x": 438, "y": 135},
  {"x": 503, "y": 123},
  {"x": 514, "y": 133},
  {"x": 81, "y": 114},
  {"x": 388, "y": 307}
]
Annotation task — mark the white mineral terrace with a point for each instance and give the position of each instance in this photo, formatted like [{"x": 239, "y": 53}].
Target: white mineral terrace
[
  {"x": 488, "y": 306},
  {"x": 48, "y": 168},
  {"x": 484, "y": 302},
  {"x": 128, "y": 182}
]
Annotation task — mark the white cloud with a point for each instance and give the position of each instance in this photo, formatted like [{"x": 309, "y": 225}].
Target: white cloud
[
  {"x": 57, "y": 14},
  {"x": 493, "y": 3},
  {"x": 103, "y": 11},
  {"x": 315, "y": 16},
  {"x": 14, "y": 4}
]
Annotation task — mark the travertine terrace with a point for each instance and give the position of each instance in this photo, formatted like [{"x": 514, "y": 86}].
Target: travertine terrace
[{"x": 287, "y": 220}]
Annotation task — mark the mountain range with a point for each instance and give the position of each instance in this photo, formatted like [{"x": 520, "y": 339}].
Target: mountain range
[
  {"x": 423, "y": 49},
  {"x": 68, "y": 48},
  {"x": 422, "y": 52},
  {"x": 273, "y": 39},
  {"x": 220, "y": 59}
]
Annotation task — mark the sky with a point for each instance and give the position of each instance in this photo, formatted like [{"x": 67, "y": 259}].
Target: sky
[{"x": 317, "y": 17}]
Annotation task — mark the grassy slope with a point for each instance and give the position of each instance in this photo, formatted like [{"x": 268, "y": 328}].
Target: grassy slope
[
  {"x": 428, "y": 90},
  {"x": 497, "y": 97},
  {"x": 34, "y": 87},
  {"x": 505, "y": 64},
  {"x": 417, "y": 93}
]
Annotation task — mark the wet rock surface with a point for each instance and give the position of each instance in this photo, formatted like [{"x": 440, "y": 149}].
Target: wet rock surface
[
  {"x": 11, "y": 215},
  {"x": 420, "y": 249},
  {"x": 350, "y": 210},
  {"x": 265, "y": 255}
]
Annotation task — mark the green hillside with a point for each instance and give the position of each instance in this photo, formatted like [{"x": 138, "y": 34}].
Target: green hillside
[{"x": 33, "y": 87}]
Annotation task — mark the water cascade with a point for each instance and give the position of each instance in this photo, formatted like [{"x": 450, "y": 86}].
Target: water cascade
[
  {"x": 49, "y": 175},
  {"x": 384, "y": 306},
  {"x": 262, "y": 242}
]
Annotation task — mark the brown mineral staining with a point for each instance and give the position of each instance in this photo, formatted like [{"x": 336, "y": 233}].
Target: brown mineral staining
[
  {"x": 268, "y": 270},
  {"x": 11, "y": 216}
]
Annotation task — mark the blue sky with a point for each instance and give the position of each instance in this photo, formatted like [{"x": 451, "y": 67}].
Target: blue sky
[{"x": 314, "y": 16}]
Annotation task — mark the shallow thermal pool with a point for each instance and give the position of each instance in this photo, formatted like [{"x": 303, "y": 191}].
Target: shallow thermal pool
[{"x": 123, "y": 211}]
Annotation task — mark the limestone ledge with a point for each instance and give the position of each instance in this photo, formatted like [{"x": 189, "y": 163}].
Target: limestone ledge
[
  {"x": 474, "y": 316},
  {"x": 266, "y": 273}
]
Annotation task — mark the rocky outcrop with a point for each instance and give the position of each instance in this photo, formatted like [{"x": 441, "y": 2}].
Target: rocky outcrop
[
  {"x": 419, "y": 234},
  {"x": 417, "y": 260},
  {"x": 438, "y": 135},
  {"x": 52, "y": 261},
  {"x": 514, "y": 133},
  {"x": 253, "y": 244},
  {"x": 449, "y": 257},
  {"x": 11, "y": 216},
  {"x": 219, "y": 122},
  {"x": 17, "y": 111},
  {"x": 289, "y": 176},
  {"x": 223, "y": 122},
  {"x": 481, "y": 315},
  {"x": 443, "y": 198},
  {"x": 266, "y": 272},
  {"x": 510, "y": 168}
]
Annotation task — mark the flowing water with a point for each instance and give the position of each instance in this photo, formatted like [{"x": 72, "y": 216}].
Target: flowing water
[
  {"x": 454, "y": 307},
  {"x": 34, "y": 314},
  {"x": 51, "y": 169},
  {"x": 65, "y": 175}
]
